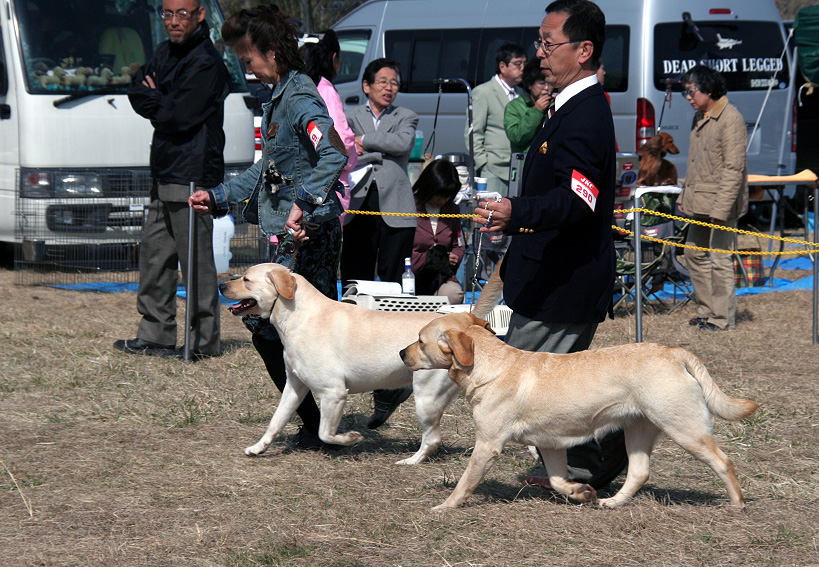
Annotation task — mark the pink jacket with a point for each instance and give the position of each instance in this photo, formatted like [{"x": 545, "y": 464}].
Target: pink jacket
[{"x": 336, "y": 110}]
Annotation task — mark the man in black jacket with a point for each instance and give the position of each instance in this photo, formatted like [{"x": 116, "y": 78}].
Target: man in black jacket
[
  {"x": 559, "y": 270},
  {"x": 182, "y": 92}
]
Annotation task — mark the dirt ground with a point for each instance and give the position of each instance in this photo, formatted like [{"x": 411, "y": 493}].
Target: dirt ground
[{"x": 114, "y": 459}]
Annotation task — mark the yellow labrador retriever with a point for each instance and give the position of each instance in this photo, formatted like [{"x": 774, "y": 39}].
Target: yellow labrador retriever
[
  {"x": 335, "y": 348},
  {"x": 555, "y": 401}
]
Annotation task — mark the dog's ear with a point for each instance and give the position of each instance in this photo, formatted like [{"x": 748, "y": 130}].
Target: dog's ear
[
  {"x": 284, "y": 281},
  {"x": 462, "y": 348},
  {"x": 482, "y": 322}
]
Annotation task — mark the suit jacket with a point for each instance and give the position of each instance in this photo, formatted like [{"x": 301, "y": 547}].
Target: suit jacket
[
  {"x": 560, "y": 264},
  {"x": 492, "y": 149},
  {"x": 388, "y": 150}
]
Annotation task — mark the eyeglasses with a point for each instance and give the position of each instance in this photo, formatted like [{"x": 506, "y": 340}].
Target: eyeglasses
[
  {"x": 689, "y": 93},
  {"x": 382, "y": 83},
  {"x": 549, "y": 47},
  {"x": 181, "y": 15},
  {"x": 517, "y": 63}
]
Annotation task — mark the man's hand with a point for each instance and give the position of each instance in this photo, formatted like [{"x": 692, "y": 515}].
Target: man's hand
[
  {"x": 359, "y": 149},
  {"x": 200, "y": 201},
  {"x": 149, "y": 82},
  {"x": 494, "y": 215}
]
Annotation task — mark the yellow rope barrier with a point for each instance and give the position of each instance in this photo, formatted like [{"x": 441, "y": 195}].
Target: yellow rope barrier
[
  {"x": 650, "y": 238},
  {"x": 720, "y": 227}
]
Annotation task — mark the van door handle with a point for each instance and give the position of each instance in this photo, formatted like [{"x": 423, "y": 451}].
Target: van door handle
[
  {"x": 5, "y": 111},
  {"x": 351, "y": 100}
]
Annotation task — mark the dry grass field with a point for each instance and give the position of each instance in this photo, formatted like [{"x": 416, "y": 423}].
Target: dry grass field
[{"x": 113, "y": 459}]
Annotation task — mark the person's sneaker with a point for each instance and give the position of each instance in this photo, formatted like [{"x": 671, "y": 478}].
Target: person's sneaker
[
  {"x": 706, "y": 326},
  {"x": 141, "y": 346},
  {"x": 386, "y": 402},
  {"x": 697, "y": 321}
]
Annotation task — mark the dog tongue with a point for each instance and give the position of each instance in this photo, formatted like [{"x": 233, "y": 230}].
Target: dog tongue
[{"x": 242, "y": 306}]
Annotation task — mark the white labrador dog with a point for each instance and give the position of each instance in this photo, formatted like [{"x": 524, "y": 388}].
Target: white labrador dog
[
  {"x": 555, "y": 401},
  {"x": 334, "y": 348}
]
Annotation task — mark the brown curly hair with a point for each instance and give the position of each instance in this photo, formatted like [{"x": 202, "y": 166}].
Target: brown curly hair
[{"x": 265, "y": 28}]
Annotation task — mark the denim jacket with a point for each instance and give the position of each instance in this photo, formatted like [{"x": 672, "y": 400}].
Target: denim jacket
[{"x": 302, "y": 159}]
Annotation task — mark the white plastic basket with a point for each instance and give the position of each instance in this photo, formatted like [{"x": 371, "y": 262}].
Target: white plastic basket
[
  {"x": 429, "y": 303},
  {"x": 498, "y": 317}
]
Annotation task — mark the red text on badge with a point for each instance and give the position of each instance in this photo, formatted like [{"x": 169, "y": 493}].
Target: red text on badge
[{"x": 584, "y": 188}]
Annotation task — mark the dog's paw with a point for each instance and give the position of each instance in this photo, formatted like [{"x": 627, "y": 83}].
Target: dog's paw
[
  {"x": 255, "y": 450},
  {"x": 441, "y": 508},
  {"x": 583, "y": 493},
  {"x": 610, "y": 503},
  {"x": 352, "y": 437}
]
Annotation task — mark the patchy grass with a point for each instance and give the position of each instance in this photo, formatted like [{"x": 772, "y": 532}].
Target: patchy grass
[{"x": 114, "y": 459}]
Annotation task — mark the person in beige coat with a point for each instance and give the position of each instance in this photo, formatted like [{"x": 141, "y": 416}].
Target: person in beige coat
[{"x": 715, "y": 191}]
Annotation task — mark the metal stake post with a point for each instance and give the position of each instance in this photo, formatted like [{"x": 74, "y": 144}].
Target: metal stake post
[
  {"x": 815, "y": 263},
  {"x": 189, "y": 280},
  {"x": 470, "y": 168}
]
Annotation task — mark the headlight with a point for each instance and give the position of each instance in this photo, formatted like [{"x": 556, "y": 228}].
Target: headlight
[
  {"x": 77, "y": 185},
  {"x": 56, "y": 184}
]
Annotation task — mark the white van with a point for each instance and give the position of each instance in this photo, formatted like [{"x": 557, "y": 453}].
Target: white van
[
  {"x": 74, "y": 155},
  {"x": 649, "y": 45}
]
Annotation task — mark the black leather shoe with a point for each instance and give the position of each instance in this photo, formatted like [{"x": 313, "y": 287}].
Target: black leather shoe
[
  {"x": 615, "y": 460},
  {"x": 306, "y": 441},
  {"x": 141, "y": 346},
  {"x": 386, "y": 402},
  {"x": 196, "y": 356},
  {"x": 697, "y": 321}
]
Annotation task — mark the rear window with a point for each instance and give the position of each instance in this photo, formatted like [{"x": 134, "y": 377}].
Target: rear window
[
  {"x": 746, "y": 53},
  {"x": 469, "y": 53}
]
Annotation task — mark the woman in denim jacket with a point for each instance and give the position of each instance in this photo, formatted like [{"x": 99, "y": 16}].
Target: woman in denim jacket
[{"x": 291, "y": 191}]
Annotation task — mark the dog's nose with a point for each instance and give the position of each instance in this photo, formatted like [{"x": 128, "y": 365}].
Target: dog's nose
[
  {"x": 222, "y": 288},
  {"x": 403, "y": 353}
]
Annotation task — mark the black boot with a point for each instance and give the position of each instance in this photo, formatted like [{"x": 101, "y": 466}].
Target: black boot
[
  {"x": 615, "y": 459},
  {"x": 272, "y": 353},
  {"x": 386, "y": 402}
]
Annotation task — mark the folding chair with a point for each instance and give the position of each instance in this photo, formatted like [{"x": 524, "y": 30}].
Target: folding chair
[
  {"x": 654, "y": 254},
  {"x": 659, "y": 263}
]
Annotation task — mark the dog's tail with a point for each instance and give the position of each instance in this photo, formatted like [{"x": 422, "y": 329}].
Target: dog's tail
[
  {"x": 490, "y": 294},
  {"x": 719, "y": 403}
]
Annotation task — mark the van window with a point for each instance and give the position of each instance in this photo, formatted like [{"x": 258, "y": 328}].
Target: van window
[
  {"x": 353, "y": 44},
  {"x": 425, "y": 55},
  {"x": 747, "y": 53},
  {"x": 80, "y": 50},
  {"x": 464, "y": 53},
  {"x": 615, "y": 59}
]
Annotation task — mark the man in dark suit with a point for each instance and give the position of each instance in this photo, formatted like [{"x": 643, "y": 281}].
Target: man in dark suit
[{"x": 559, "y": 270}]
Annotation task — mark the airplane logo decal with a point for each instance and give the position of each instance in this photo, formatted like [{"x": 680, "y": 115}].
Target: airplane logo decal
[{"x": 725, "y": 43}]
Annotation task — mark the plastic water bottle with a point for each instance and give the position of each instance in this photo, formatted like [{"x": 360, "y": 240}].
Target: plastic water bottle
[
  {"x": 408, "y": 278},
  {"x": 222, "y": 233}
]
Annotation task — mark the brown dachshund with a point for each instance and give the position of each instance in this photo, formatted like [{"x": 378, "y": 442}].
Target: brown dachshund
[{"x": 654, "y": 170}]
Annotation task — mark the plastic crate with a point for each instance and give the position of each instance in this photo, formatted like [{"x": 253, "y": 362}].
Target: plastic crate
[
  {"x": 429, "y": 303},
  {"x": 498, "y": 317}
]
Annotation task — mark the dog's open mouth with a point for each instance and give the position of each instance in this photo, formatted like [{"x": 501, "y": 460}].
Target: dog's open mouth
[{"x": 242, "y": 306}]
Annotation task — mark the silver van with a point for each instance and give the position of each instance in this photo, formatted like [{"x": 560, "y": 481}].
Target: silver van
[{"x": 649, "y": 45}]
